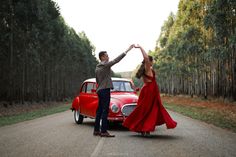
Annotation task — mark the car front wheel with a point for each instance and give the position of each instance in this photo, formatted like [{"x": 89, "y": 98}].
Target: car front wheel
[{"x": 78, "y": 117}]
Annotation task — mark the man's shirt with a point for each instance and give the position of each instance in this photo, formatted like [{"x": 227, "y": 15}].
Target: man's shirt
[{"x": 103, "y": 73}]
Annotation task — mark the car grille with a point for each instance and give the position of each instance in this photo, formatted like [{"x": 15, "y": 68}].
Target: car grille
[{"x": 128, "y": 108}]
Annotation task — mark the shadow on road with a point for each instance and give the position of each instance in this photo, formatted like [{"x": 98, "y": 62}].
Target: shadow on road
[
  {"x": 112, "y": 126},
  {"x": 159, "y": 137},
  {"x": 117, "y": 127}
]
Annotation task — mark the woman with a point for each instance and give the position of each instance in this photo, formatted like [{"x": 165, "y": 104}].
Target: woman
[{"x": 149, "y": 111}]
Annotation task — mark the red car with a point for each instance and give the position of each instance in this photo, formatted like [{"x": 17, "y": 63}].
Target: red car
[{"x": 123, "y": 100}]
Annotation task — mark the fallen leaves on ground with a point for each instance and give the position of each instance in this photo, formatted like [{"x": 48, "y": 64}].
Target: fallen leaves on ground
[{"x": 224, "y": 107}]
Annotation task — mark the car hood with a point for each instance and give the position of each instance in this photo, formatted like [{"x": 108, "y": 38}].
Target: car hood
[{"x": 124, "y": 98}]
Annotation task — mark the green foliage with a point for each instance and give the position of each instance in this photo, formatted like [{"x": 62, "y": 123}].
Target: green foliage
[
  {"x": 116, "y": 75},
  {"x": 8, "y": 120},
  {"x": 41, "y": 58},
  {"x": 196, "y": 49}
]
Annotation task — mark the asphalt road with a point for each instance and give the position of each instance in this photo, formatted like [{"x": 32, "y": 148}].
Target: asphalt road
[{"x": 57, "y": 135}]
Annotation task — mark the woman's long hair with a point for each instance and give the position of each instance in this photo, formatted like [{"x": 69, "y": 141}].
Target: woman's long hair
[{"x": 141, "y": 70}]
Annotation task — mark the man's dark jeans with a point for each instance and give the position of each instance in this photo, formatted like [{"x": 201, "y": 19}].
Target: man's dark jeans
[{"x": 104, "y": 96}]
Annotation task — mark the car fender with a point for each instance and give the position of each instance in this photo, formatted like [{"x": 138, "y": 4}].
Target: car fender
[{"x": 75, "y": 103}]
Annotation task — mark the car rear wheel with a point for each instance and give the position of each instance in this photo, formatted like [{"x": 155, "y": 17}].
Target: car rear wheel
[{"x": 78, "y": 117}]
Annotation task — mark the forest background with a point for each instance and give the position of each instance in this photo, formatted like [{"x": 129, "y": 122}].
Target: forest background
[{"x": 42, "y": 59}]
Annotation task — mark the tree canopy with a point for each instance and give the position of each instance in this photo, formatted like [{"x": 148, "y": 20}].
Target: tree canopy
[
  {"x": 41, "y": 58},
  {"x": 195, "y": 51}
]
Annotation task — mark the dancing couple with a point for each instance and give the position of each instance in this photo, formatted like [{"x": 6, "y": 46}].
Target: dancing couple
[{"x": 149, "y": 111}]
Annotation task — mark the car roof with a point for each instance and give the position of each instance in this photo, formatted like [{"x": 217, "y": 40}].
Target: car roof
[{"x": 113, "y": 79}]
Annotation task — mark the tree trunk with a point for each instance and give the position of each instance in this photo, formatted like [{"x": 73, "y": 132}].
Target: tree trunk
[
  {"x": 233, "y": 66},
  {"x": 205, "y": 86},
  {"x": 218, "y": 79},
  {"x": 234, "y": 73},
  {"x": 10, "y": 89}
]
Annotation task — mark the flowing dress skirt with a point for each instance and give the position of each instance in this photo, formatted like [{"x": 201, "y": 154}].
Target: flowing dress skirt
[{"x": 149, "y": 111}]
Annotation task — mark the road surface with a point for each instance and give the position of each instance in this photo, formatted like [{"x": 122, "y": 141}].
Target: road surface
[{"x": 57, "y": 135}]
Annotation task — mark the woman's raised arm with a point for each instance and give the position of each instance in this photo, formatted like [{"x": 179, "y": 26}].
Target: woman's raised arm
[{"x": 147, "y": 63}]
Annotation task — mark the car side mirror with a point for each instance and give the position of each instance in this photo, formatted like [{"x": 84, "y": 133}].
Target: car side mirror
[{"x": 137, "y": 89}]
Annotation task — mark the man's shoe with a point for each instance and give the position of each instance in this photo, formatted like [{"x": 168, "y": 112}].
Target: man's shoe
[
  {"x": 145, "y": 134},
  {"x": 96, "y": 133},
  {"x": 148, "y": 134},
  {"x": 106, "y": 134}
]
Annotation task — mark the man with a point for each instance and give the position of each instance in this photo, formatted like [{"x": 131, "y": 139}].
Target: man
[{"x": 103, "y": 79}]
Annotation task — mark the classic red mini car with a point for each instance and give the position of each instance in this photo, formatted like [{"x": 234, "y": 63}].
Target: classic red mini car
[{"x": 123, "y": 100}]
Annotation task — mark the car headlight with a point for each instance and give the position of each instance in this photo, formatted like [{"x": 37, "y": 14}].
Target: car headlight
[{"x": 115, "y": 108}]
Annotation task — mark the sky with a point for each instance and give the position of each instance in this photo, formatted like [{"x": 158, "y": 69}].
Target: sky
[{"x": 113, "y": 25}]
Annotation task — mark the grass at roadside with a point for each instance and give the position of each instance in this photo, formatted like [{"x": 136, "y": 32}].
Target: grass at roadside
[
  {"x": 220, "y": 118},
  {"x": 12, "y": 119}
]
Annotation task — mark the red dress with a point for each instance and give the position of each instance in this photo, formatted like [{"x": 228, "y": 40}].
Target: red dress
[{"x": 149, "y": 111}]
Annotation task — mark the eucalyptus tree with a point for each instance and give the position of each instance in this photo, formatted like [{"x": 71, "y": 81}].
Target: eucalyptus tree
[
  {"x": 221, "y": 19},
  {"x": 41, "y": 58},
  {"x": 196, "y": 49}
]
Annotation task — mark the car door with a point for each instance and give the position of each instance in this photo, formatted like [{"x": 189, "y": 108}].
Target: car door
[{"x": 88, "y": 99}]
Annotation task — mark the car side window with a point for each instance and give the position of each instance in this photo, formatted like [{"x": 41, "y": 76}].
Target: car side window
[
  {"x": 84, "y": 88},
  {"x": 90, "y": 86}
]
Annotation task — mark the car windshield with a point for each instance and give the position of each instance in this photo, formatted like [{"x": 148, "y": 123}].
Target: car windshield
[{"x": 122, "y": 86}]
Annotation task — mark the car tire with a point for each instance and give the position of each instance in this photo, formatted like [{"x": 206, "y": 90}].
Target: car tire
[{"x": 78, "y": 117}]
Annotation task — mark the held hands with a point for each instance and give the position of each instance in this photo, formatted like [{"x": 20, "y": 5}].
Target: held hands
[
  {"x": 130, "y": 47},
  {"x": 137, "y": 46},
  {"x": 133, "y": 46},
  {"x": 145, "y": 56}
]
